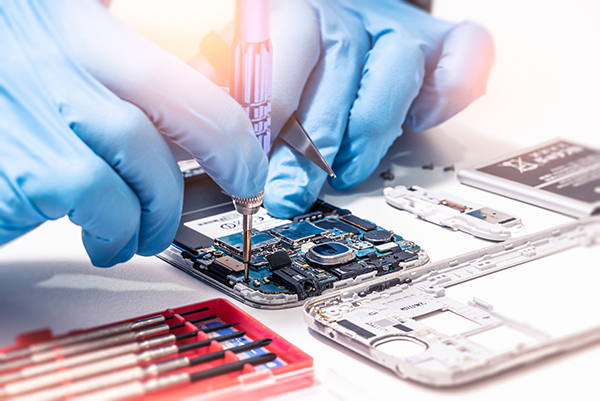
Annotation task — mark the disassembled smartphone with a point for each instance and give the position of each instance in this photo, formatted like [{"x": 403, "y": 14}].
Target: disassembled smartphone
[
  {"x": 456, "y": 213},
  {"x": 291, "y": 260},
  {"x": 381, "y": 317}
]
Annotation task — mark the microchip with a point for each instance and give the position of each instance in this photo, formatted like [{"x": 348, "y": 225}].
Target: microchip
[
  {"x": 404, "y": 256},
  {"x": 279, "y": 260},
  {"x": 322, "y": 276},
  {"x": 230, "y": 263},
  {"x": 358, "y": 222},
  {"x": 235, "y": 242},
  {"x": 297, "y": 232},
  {"x": 340, "y": 225}
]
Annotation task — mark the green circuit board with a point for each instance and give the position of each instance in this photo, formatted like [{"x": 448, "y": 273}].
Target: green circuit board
[{"x": 310, "y": 254}]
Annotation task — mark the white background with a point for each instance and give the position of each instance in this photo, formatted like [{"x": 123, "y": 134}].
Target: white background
[{"x": 544, "y": 84}]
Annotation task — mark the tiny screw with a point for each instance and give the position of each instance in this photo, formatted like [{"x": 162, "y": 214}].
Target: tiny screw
[{"x": 387, "y": 175}]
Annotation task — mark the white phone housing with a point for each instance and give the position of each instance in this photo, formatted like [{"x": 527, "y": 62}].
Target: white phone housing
[
  {"x": 368, "y": 318},
  {"x": 456, "y": 213}
]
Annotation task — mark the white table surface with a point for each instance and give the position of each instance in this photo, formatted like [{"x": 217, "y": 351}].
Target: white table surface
[{"x": 544, "y": 85}]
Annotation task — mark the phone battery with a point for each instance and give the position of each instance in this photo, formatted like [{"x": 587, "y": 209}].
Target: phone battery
[{"x": 558, "y": 175}]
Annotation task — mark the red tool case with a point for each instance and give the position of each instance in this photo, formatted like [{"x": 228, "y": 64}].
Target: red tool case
[{"x": 293, "y": 369}]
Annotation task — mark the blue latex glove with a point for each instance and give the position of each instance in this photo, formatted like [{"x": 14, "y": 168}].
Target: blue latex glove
[
  {"x": 383, "y": 63},
  {"x": 83, "y": 103}
]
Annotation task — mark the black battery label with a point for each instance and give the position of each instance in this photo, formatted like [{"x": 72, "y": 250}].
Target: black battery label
[{"x": 562, "y": 168}]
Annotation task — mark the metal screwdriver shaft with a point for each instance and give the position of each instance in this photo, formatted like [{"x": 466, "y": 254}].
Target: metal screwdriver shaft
[
  {"x": 104, "y": 342},
  {"x": 138, "y": 388},
  {"x": 69, "y": 362},
  {"x": 90, "y": 335},
  {"x": 247, "y": 207},
  {"x": 250, "y": 85},
  {"x": 108, "y": 365},
  {"x": 78, "y": 348}
]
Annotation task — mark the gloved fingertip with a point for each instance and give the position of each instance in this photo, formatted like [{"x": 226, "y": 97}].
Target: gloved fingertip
[
  {"x": 284, "y": 207},
  {"x": 161, "y": 241},
  {"x": 102, "y": 252},
  {"x": 356, "y": 170},
  {"x": 293, "y": 183},
  {"x": 339, "y": 183},
  {"x": 420, "y": 123},
  {"x": 285, "y": 200},
  {"x": 254, "y": 182},
  {"x": 247, "y": 178},
  {"x": 153, "y": 248},
  {"x": 460, "y": 77},
  {"x": 160, "y": 219}
]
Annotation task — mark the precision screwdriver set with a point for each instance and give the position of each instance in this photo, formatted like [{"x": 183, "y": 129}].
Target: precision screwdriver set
[{"x": 210, "y": 350}]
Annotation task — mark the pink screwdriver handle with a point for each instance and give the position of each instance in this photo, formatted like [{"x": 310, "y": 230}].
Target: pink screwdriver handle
[{"x": 252, "y": 66}]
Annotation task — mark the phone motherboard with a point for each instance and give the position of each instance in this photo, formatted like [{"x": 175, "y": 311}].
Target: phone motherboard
[{"x": 325, "y": 249}]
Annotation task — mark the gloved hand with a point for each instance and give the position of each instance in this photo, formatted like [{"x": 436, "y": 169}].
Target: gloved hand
[
  {"x": 83, "y": 103},
  {"x": 382, "y": 64}
]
